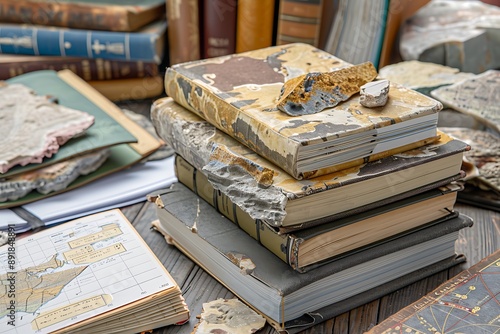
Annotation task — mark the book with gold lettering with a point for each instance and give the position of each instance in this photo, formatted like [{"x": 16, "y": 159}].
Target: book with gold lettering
[{"x": 94, "y": 275}]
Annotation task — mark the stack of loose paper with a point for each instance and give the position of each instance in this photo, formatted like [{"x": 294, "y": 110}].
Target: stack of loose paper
[{"x": 60, "y": 135}]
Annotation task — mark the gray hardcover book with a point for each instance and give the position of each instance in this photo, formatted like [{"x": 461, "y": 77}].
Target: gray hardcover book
[{"x": 272, "y": 287}]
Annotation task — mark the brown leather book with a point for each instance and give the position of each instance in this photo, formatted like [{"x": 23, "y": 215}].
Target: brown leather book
[
  {"x": 254, "y": 24},
  {"x": 299, "y": 21},
  {"x": 124, "y": 15},
  {"x": 183, "y": 30},
  {"x": 86, "y": 68},
  {"x": 219, "y": 28}
]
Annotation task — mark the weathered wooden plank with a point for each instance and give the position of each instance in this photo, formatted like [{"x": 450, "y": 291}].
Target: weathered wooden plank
[
  {"x": 397, "y": 300},
  {"x": 483, "y": 238},
  {"x": 341, "y": 324}
]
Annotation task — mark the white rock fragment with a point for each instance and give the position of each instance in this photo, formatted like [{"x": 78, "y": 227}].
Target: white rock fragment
[{"x": 374, "y": 94}]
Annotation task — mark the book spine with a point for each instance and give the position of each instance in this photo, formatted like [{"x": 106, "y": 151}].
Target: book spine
[
  {"x": 129, "y": 89},
  {"x": 183, "y": 30},
  {"x": 254, "y": 24},
  {"x": 87, "y": 69},
  {"x": 299, "y": 21},
  {"x": 219, "y": 28},
  {"x": 41, "y": 41},
  {"x": 199, "y": 184},
  {"x": 65, "y": 14}
]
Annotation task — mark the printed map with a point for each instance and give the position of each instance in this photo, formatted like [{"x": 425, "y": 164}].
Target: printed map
[
  {"x": 468, "y": 303},
  {"x": 75, "y": 271}
]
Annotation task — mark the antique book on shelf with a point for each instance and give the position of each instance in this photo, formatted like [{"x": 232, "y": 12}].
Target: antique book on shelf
[
  {"x": 129, "y": 89},
  {"x": 467, "y": 303},
  {"x": 268, "y": 193},
  {"x": 218, "y": 27},
  {"x": 183, "y": 30},
  {"x": 124, "y": 15},
  {"x": 399, "y": 11},
  {"x": 357, "y": 31},
  {"x": 254, "y": 24},
  {"x": 268, "y": 284},
  {"x": 95, "y": 275},
  {"x": 308, "y": 248},
  {"x": 299, "y": 21},
  {"x": 238, "y": 94},
  {"x": 86, "y": 68},
  {"x": 128, "y": 142},
  {"x": 146, "y": 44}
]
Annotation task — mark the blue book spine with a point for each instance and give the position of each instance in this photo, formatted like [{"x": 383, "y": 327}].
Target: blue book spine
[{"x": 36, "y": 40}]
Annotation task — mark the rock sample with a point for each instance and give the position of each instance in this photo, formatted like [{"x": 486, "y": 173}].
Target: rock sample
[
  {"x": 312, "y": 92},
  {"x": 51, "y": 178},
  {"x": 33, "y": 127},
  {"x": 461, "y": 34},
  {"x": 422, "y": 76},
  {"x": 478, "y": 97},
  {"x": 374, "y": 94},
  {"x": 228, "y": 316}
]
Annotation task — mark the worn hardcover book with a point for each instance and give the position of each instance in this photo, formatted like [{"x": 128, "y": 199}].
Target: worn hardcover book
[
  {"x": 399, "y": 11},
  {"x": 183, "y": 30},
  {"x": 272, "y": 287},
  {"x": 86, "y": 68},
  {"x": 467, "y": 303},
  {"x": 357, "y": 31},
  {"x": 129, "y": 89},
  {"x": 146, "y": 44},
  {"x": 239, "y": 95},
  {"x": 218, "y": 32},
  {"x": 299, "y": 21},
  {"x": 89, "y": 278},
  {"x": 268, "y": 193},
  {"x": 254, "y": 24},
  {"x": 128, "y": 142},
  {"x": 111, "y": 15},
  {"x": 308, "y": 248}
]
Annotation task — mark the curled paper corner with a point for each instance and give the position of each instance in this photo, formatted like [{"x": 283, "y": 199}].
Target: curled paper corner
[
  {"x": 156, "y": 225},
  {"x": 245, "y": 264},
  {"x": 156, "y": 199}
]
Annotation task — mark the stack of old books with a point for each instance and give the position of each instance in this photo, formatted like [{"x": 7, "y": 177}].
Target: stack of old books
[
  {"x": 320, "y": 212},
  {"x": 116, "y": 46}
]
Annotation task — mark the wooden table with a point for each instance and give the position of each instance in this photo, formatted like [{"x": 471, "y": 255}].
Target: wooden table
[{"x": 199, "y": 287}]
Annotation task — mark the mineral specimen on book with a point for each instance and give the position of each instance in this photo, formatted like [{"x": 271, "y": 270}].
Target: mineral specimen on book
[
  {"x": 312, "y": 92},
  {"x": 461, "y": 34},
  {"x": 478, "y": 96},
  {"x": 51, "y": 178},
  {"x": 33, "y": 127},
  {"x": 228, "y": 316},
  {"x": 374, "y": 94},
  {"x": 422, "y": 76}
]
